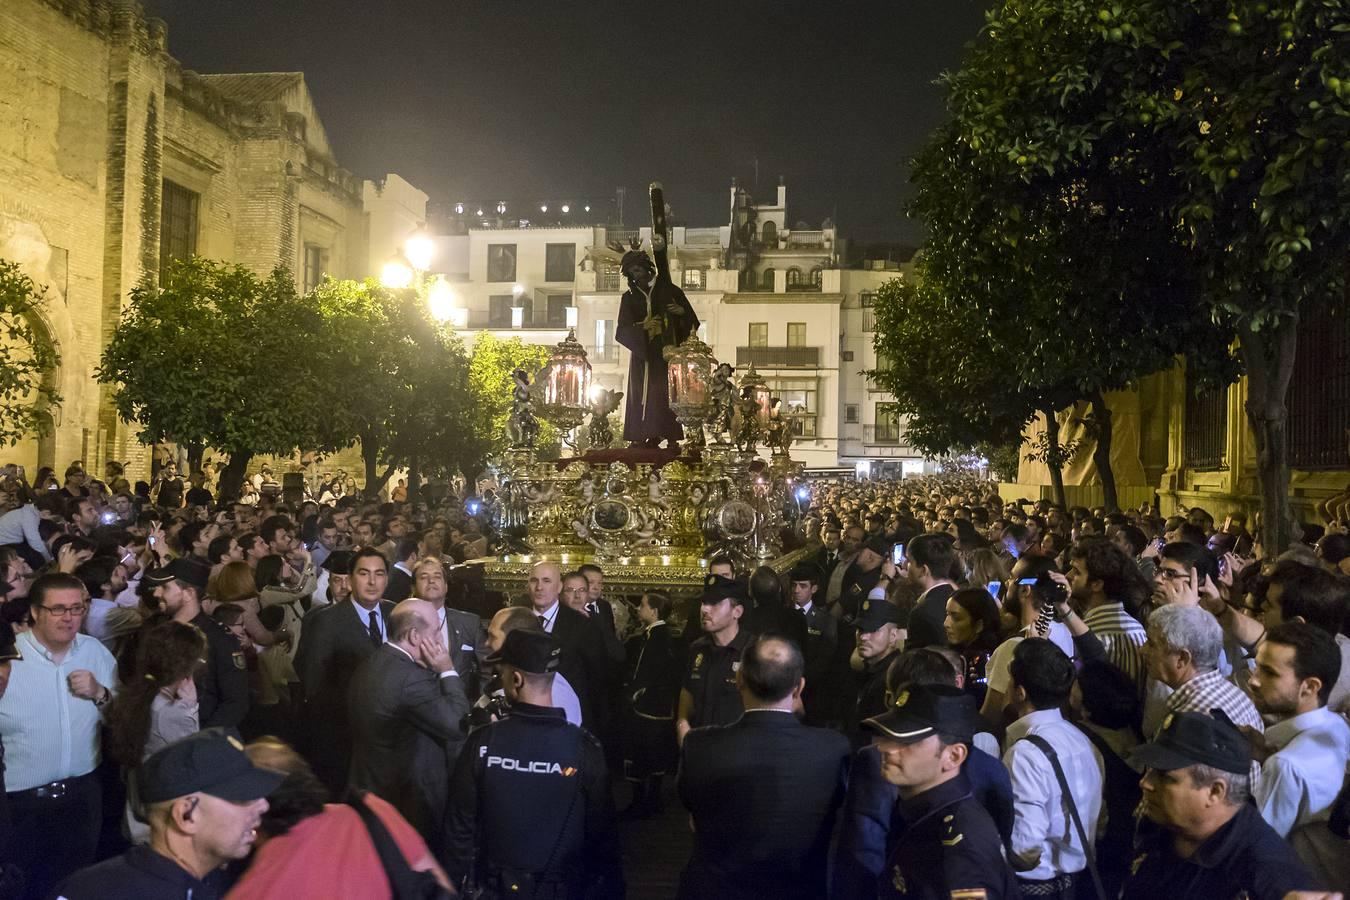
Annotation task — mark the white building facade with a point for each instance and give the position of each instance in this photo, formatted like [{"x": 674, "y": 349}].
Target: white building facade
[{"x": 765, "y": 293}]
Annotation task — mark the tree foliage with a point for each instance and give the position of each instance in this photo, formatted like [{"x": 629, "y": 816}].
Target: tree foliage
[
  {"x": 210, "y": 359},
  {"x": 27, "y": 358},
  {"x": 1147, "y": 178},
  {"x": 490, "y": 366}
]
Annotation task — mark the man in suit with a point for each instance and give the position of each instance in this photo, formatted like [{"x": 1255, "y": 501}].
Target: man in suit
[
  {"x": 600, "y": 609},
  {"x": 407, "y": 708},
  {"x": 832, "y": 550},
  {"x": 820, "y": 648},
  {"x": 400, "y": 583},
  {"x": 583, "y": 661},
  {"x": 461, "y": 632},
  {"x": 334, "y": 641},
  {"x": 765, "y": 768},
  {"x": 849, "y": 546},
  {"x": 932, "y": 559}
]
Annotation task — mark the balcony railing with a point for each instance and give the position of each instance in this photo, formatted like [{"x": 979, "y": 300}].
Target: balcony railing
[
  {"x": 805, "y": 285},
  {"x": 806, "y": 239},
  {"x": 883, "y": 433},
  {"x": 1205, "y": 434},
  {"x": 606, "y": 354},
  {"x": 779, "y": 357},
  {"x": 607, "y": 281}
]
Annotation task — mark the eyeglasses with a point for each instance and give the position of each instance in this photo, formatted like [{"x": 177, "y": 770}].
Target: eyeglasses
[
  {"x": 1172, "y": 575},
  {"x": 62, "y": 612}
]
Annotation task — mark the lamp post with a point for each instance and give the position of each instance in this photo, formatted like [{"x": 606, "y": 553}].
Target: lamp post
[{"x": 409, "y": 269}]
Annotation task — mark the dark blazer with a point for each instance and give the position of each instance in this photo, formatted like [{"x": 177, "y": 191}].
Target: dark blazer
[
  {"x": 766, "y": 768},
  {"x": 468, "y": 646},
  {"x": 400, "y": 585},
  {"x": 333, "y": 641},
  {"x": 583, "y": 662},
  {"x": 820, "y": 654},
  {"x": 407, "y": 728},
  {"x": 609, "y": 633},
  {"x": 925, "y": 621},
  {"x": 653, "y": 684}
]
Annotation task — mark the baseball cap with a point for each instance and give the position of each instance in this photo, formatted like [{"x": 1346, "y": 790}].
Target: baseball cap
[
  {"x": 536, "y": 652},
  {"x": 872, "y": 614},
  {"x": 1193, "y": 738},
  {"x": 922, "y": 710},
  {"x": 181, "y": 569},
  {"x": 212, "y": 761},
  {"x": 716, "y": 589}
]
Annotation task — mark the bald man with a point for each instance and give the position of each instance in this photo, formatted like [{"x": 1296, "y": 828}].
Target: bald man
[
  {"x": 583, "y": 647},
  {"x": 408, "y": 708}
]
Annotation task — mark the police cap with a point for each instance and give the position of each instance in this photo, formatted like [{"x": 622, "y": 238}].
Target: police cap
[
  {"x": 872, "y": 614},
  {"x": 922, "y": 710},
  {"x": 208, "y": 762},
  {"x": 339, "y": 562},
  {"x": 188, "y": 571},
  {"x": 1193, "y": 738},
  {"x": 716, "y": 589},
  {"x": 805, "y": 571},
  {"x": 535, "y": 652}
]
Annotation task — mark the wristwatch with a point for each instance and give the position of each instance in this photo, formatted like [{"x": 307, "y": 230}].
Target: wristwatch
[{"x": 103, "y": 700}]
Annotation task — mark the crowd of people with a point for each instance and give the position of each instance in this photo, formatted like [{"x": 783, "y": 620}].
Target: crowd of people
[{"x": 947, "y": 695}]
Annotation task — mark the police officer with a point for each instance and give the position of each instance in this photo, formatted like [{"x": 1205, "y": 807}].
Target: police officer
[
  {"x": 710, "y": 695},
  {"x": 222, "y": 684},
  {"x": 822, "y": 641},
  {"x": 1213, "y": 841},
  {"x": 950, "y": 847},
  {"x": 861, "y": 577},
  {"x": 878, "y": 642},
  {"x": 530, "y": 810}
]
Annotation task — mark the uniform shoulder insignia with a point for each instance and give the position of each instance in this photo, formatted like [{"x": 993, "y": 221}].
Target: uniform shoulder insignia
[
  {"x": 969, "y": 894},
  {"x": 953, "y": 841},
  {"x": 698, "y": 660},
  {"x": 237, "y": 657},
  {"x": 898, "y": 881},
  {"x": 1138, "y": 861}
]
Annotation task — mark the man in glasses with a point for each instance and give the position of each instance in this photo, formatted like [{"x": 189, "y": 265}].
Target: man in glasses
[{"x": 49, "y": 723}]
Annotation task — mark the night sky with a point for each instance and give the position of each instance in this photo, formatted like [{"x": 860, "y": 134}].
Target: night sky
[{"x": 531, "y": 101}]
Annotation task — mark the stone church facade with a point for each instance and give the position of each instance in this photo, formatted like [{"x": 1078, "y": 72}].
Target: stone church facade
[{"x": 114, "y": 160}]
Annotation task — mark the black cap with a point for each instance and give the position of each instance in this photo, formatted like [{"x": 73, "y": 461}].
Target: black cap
[
  {"x": 878, "y": 545},
  {"x": 716, "y": 589},
  {"x": 1193, "y": 738},
  {"x": 922, "y": 710},
  {"x": 211, "y": 761},
  {"x": 872, "y": 614},
  {"x": 8, "y": 649},
  {"x": 339, "y": 562},
  {"x": 536, "y": 652},
  {"x": 186, "y": 570},
  {"x": 805, "y": 571}
]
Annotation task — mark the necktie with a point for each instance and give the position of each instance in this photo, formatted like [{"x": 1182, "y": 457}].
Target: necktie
[
  {"x": 375, "y": 637},
  {"x": 543, "y": 620},
  {"x": 593, "y": 608}
]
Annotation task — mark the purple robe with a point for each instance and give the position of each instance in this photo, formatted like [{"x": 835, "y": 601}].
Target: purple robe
[{"x": 647, "y": 413}]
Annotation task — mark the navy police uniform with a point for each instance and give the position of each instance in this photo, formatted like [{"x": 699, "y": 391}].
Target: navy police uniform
[
  {"x": 222, "y": 684},
  {"x": 950, "y": 847},
  {"x": 711, "y": 680},
  {"x": 1245, "y": 857},
  {"x": 530, "y": 809}
]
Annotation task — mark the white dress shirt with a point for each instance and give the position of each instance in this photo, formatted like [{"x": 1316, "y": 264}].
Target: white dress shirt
[
  {"x": 1040, "y": 814},
  {"x": 49, "y": 733},
  {"x": 549, "y": 616},
  {"x": 1299, "y": 783},
  {"x": 363, "y": 615}
]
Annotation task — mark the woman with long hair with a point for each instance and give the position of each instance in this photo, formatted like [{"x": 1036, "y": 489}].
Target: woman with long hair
[
  {"x": 157, "y": 706},
  {"x": 986, "y": 568},
  {"x": 972, "y": 627}
]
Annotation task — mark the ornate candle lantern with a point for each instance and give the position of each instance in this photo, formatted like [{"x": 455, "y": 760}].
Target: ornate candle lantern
[
  {"x": 690, "y": 366},
  {"x": 760, "y": 391},
  {"x": 564, "y": 386}
]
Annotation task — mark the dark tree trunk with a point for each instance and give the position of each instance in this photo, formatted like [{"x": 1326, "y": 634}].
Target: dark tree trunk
[
  {"x": 1103, "y": 428},
  {"x": 232, "y": 476},
  {"x": 1268, "y": 355},
  {"x": 1052, "y": 459},
  {"x": 370, "y": 455}
]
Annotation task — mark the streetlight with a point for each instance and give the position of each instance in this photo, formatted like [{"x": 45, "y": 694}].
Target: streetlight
[
  {"x": 419, "y": 250},
  {"x": 441, "y": 300},
  {"x": 397, "y": 274},
  {"x": 517, "y": 311},
  {"x": 566, "y": 209}
]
